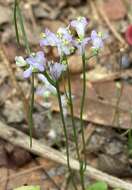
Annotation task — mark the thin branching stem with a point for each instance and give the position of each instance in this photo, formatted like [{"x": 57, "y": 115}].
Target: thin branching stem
[
  {"x": 82, "y": 169},
  {"x": 72, "y": 112},
  {"x": 84, "y": 59},
  {"x": 51, "y": 81},
  {"x": 83, "y": 102},
  {"x": 31, "y": 110},
  {"x": 74, "y": 126},
  {"x": 65, "y": 132}
]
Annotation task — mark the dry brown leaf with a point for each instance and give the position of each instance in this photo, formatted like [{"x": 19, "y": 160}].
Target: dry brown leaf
[
  {"x": 115, "y": 10},
  {"x": 53, "y": 25},
  {"x": 3, "y": 175},
  {"x": 5, "y": 14},
  {"x": 100, "y": 104},
  {"x": 36, "y": 177},
  {"x": 75, "y": 64}
]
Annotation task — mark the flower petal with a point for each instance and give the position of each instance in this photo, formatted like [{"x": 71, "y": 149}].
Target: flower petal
[
  {"x": 49, "y": 39},
  {"x": 40, "y": 67},
  {"x": 81, "y": 44},
  {"x": 27, "y": 73},
  {"x": 56, "y": 70},
  {"x": 80, "y": 26},
  {"x": 98, "y": 39},
  {"x": 128, "y": 35},
  {"x": 64, "y": 33},
  {"x": 43, "y": 79},
  {"x": 20, "y": 62},
  {"x": 40, "y": 56},
  {"x": 37, "y": 61},
  {"x": 94, "y": 35}
]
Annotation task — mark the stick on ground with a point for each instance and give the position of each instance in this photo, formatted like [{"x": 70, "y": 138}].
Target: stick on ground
[{"x": 22, "y": 140}]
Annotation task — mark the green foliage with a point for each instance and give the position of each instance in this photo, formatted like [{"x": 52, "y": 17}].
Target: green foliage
[
  {"x": 18, "y": 20},
  {"x": 28, "y": 188},
  {"x": 15, "y": 21},
  {"x": 130, "y": 137},
  {"x": 130, "y": 142},
  {"x": 98, "y": 186}
]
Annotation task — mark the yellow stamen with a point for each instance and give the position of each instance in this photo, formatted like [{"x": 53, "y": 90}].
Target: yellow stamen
[{"x": 43, "y": 35}]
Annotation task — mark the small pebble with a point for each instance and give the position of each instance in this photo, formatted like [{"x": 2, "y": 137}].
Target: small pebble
[{"x": 125, "y": 62}]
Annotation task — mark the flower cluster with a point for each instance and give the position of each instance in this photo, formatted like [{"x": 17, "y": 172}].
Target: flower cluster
[
  {"x": 66, "y": 43},
  {"x": 37, "y": 63},
  {"x": 49, "y": 73},
  {"x": 34, "y": 63},
  {"x": 62, "y": 40}
]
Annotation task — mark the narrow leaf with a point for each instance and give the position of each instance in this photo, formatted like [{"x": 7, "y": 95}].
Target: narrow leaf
[
  {"x": 21, "y": 22},
  {"x": 15, "y": 22}
]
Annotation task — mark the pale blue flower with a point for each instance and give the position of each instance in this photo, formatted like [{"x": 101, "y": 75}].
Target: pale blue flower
[
  {"x": 56, "y": 70},
  {"x": 80, "y": 25},
  {"x": 81, "y": 44},
  {"x": 62, "y": 40},
  {"x": 97, "y": 40},
  {"x": 66, "y": 41},
  {"x": 36, "y": 62},
  {"x": 49, "y": 39},
  {"x": 64, "y": 34}
]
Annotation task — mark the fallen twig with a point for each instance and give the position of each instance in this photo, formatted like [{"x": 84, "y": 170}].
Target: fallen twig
[
  {"x": 94, "y": 11},
  {"x": 20, "y": 139}
]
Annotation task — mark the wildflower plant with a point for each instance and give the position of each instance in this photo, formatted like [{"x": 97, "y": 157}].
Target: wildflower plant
[{"x": 50, "y": 73}]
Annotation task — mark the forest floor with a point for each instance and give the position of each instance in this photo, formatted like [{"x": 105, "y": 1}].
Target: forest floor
[{"x": 108, "y": 106}]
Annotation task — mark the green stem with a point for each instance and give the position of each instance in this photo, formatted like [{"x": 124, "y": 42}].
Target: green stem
[
  {"x": 51, "y": 81},
  {"x": 82, "y": 106},
  {"x": 84, "y": 59},
  {"x": 15, "y": 21},
  {"x": 31, "y": 110},
  {"x": 72, "y": 113},
  {"x": 21, "y": 22},
  {"x": 83, "y": 164},
  {"x": 65, "y": 132},
  {"x": 74, "y": 126},
  {"x": 69, "y": 96},
  {"x": 129, "y": 131}
]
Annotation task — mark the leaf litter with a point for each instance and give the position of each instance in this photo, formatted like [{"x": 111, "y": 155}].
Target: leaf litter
[{"x": 101, "y": 97}]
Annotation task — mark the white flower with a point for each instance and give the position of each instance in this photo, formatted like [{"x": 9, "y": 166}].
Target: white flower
[
  {"x": 20, "y": 62},
  {"x": 52, "y": 134},
  {"x": 80, "y": 25}
]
